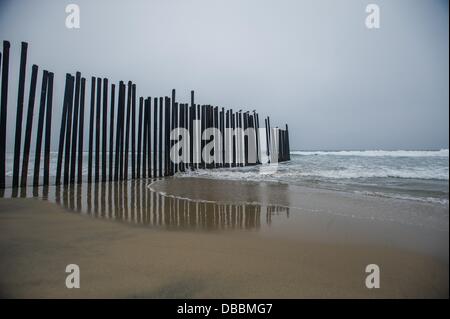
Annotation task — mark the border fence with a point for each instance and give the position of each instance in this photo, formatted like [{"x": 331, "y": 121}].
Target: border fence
[{"x": 128, "y": 136}]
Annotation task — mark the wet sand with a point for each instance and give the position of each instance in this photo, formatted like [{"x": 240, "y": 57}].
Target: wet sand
[{"x": 271, "y": 245}]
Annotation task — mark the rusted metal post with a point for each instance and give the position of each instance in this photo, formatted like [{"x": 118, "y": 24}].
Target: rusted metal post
[
  {"x": 160, "y": 171},
  {"x": 91, "y": 129},
  {"x": 104, "y": 128},
  {"x": 73, "y": 156},
  {"x": 133, "y": 132},
  {"x": 68, "y": 130},
  {"x": 156, "y": 149},
  {"x": 166, "y": 136},
  {"x": 111, "y": 133},
  {"x": 37, "y": 158},
  {"x": 97, "y": 130},
  {"x": 29, "y": 125},
  {"x": 19, "y": 114},
  {"x": 127, "y": 132},
  {"x": 145, "y": 138},
  {"x": 4, "y": 112},
  {"x": 48, "y": 128},
  {"x": 139, "y": 140},
  {"x": 81, "y": 131}
]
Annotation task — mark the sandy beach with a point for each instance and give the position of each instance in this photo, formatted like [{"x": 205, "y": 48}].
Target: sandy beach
[{"x": 259, "y": 241}]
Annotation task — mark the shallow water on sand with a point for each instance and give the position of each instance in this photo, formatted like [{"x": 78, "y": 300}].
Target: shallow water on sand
[
  {"x": 264, "y": 208},
  {"x": 411, "y": 175}
]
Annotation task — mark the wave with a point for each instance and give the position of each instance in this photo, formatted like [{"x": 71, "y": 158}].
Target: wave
[
  {"x": 433, "y": 200},
  {"x": 354, "y": 173},
  {"x": 377, "y": 153},
  {"x": 282, "y": 175}
]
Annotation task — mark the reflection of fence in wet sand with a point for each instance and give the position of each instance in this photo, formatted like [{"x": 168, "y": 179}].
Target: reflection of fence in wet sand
[
  {"x": 275, "y": 210},
  {"x": 134, "y": 202},
  {"x": 128, "y": 135}
]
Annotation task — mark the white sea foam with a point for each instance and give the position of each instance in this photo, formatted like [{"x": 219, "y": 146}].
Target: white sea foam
[
  {"x": 292, "y": 173},
  {"x": 378, "y": 153},
  {"x": 441, "y": 201},
  {"x": 380, "y": 172},
  {"x": 409, "y": 175}
]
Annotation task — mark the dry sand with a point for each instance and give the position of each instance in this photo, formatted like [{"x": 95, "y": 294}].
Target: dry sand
[{"x": 38, "y": 239}]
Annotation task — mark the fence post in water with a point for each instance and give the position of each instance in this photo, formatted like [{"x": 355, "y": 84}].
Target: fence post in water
[
  {"x": 202, "y": 117},
  {"x": 242, "y": 137},
  {"x": 73, "y": 155},
  {"x": 127, "y": 131},
  {"x": 104, "y": 128},
  {"x": 191, "y": 130},
  {"x": 155, "y": 136},
  {"x": 227, "y": 139},
  {"x": 280, "y": 146},
  {"x": 214, "y": 115},
  {"x": 176, "y": 126},
  {"x": 287, "y": 144},
  {"x": 149, "y": 138},
  {"x": 3, "y": 112},
  {"x": 207, "y": 126},
  {"x": 173, "y": 125},
  {"x": 81, "y": 131},
  {"x": 187, "y": 142},
  {"x": 111, "y": 133},
  {"x": 118, "y": 133},
  {"x": 181, "y": 125},
  {"x": 256, "y": 125},
  {"x": 48, "y": 128},
  {"x": 19, "y": 114},
  {"x": 139, "y": 140},
  {"x": 62, "y": 133},
  {"x": 91, "y": 129},
  {"x": 121, "y": 127},
  {"x": 237, "y": 138},
  {"x": 167, "y": 137},
  {"x": 133, "y": 132},
  {"x": 218, "y": 148},
  {"x": 245, "y": 137},
  {"x": 197, "y": 113},
  {"x": 145, "y": 137},
  {"x": 214, "y": 121},
  {"x": 205, "y": 142},
  {"x": 37, "y": 158},
  {"x": 232, "y": 140},
  {"x": 97, "y": 130},
  {"x": 2, "y": 192},
  {"x": 195, "y": 136},
  {"x": 68, "y": 130},
  {"x": 249, "y": 141},
  {"x": 29, "y": 125},
  {"x": 269, "y": 140},
  {"x": 160, "y": 173},
  {"x": 174, "y": 112},
  {"x": 222, "y": 131}
]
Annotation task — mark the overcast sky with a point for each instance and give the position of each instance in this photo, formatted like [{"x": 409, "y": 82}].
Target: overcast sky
[{"x": 312, "y": 64}]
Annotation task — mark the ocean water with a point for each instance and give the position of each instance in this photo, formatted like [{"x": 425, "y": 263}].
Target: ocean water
[{"x": 410, "y": 175}]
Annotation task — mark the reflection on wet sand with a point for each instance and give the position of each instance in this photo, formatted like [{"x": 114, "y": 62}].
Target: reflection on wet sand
[{"x": 134, "y": 202}]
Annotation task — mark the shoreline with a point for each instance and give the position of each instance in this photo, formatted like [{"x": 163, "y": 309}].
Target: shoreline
[{"x": 235, "y": 250}]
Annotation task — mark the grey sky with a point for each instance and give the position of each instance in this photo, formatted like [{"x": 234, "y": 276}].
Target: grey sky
[{"x": 312, "y": 64}]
